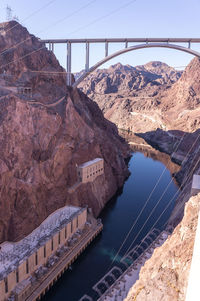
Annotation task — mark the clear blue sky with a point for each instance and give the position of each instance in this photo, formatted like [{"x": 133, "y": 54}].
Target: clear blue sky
[{"x": 110, "y": 18}]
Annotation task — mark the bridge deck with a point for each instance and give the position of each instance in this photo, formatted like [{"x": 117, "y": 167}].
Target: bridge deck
[{"x": 124, "y": 40}]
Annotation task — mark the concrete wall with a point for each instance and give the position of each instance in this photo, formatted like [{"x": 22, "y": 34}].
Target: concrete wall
[
  {"x": 41, "y": 259},
  {"x": 90, "y": 172}
]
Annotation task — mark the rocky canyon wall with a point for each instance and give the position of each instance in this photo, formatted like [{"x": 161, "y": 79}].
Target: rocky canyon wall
[
  {"x": 164, "y": 109},
  {"x": 44, "y": 136},
  {"x": 165, "y": 275}
]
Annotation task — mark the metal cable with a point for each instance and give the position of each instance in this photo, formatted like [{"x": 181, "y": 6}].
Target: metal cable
[
  {"x": 162, "y": 196},
  {"x": 144, "y": 206},
  {"x": 198, "y": 161},
  {"x": 104, "y": 17},
  {"x": 32, "y": 14},
  {"x": 47, "y": 28}
]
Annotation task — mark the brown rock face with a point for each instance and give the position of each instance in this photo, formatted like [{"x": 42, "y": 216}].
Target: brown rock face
[
  {"x": 125, "y": 78},
  {"x": 148, "y": 97},
  {"x": 25, "y": 61},
  {"x": 41, "y": 144},
  {"x": 181, "y": 103},
  {"x": 165, "y": 276},
  {"x": 131, "y": 96}
]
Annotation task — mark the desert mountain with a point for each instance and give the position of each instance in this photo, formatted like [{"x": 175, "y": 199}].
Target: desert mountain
[
  {"x": 125, "y": 78},
  {"x": 130, "y": 96},
  {"x": 147, "y": 97}
]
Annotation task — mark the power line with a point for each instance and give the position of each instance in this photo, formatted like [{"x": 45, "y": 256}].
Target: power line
[
  {"x": 71, "y": 14},
  {"x": 164, "y": 210},
  {"x": 144, "y": 206},
  {"x": 43, "y": 30},
  {"x": 20, "y": 58},
  {"x": 161, "y": 199},
  {"x": 48, "y": 72},
  {"x": 32, "y": 14},
  {"x": 104, "y": 17},
  {"x": 198, "y": 161}
]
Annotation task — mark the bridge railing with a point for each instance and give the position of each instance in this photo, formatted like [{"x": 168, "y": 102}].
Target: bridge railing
[{"x": 151, "y": 42}]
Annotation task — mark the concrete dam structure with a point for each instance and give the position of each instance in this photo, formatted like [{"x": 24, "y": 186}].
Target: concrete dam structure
[{"x": 30, "y": 266}]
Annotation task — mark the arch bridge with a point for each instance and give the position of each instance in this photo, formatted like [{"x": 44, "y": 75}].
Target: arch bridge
[{"x": 172, "y": 43}]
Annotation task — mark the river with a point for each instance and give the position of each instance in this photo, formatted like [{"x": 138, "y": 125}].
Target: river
[{"x": 145, "y": 166}]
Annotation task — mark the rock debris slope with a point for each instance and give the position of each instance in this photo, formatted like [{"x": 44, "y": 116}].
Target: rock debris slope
[{"x": 41, "y": 143}]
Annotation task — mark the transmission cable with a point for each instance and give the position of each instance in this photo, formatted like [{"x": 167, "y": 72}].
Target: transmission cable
[
  {"x": 47, "y": 28},
  {"x": 71, "y": 14},
  {"x": 22, "y": 57},
  {"x": 104, "y": 17},
  {"x": 198, "y": 161},
  {"x": 161, "y": 199},
  {"x": 144, "y": 206},
  {"x": 32, "y": 14}
]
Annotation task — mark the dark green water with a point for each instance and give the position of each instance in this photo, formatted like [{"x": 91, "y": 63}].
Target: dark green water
[{"x": 118, "y": 216}]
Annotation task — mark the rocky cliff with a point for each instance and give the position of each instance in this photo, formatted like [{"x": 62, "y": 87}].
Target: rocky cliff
[
  {"x": 44, "y": 135},
  {"x": 165, "y": 276}
]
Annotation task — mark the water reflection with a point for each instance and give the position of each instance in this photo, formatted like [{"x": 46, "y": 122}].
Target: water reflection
[
  {"x": 138, "y": 144},
  {"x": 120, "y": 213}
]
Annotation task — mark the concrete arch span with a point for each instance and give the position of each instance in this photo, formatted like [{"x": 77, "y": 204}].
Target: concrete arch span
[{"x": 132, "y": 48}]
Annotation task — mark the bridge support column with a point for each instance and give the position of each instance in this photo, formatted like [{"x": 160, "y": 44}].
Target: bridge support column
[
  {"x": 106, "y": 49},
  {"x": 69, "y": 75},
  {"x": 87, "y": 62},
  {"x": 52, "y": 47}
]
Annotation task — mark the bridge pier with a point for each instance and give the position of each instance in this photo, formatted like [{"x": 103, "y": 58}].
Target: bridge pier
[
  {"x": 69, "y": 67},
  {"x": 51, "y": 47},
  {"x": 106, "y": 48},
  {"x": 87, "y": 58}
]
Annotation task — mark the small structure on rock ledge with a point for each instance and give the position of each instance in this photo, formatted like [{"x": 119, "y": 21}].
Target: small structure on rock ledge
[
  {"x": 195, "y": 185},
  {"x": 88, "y": 171}
]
